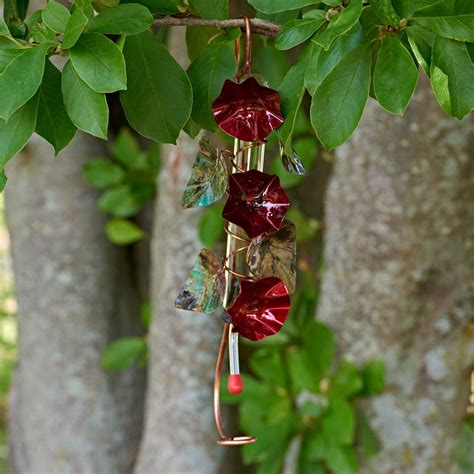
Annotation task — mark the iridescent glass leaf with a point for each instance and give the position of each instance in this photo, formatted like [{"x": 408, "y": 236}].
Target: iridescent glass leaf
[
  {"x": 274, "y": 255},
  {"x": 203, "y": 290},
  {"x": 292, "y": 162},
  {"x": 208, "y": 177}
]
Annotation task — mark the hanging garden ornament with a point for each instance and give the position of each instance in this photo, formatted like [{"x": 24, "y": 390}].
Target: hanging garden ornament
[
  {"x": 261, "y": 308},
  {"x": 256, "y": 203},
  {"x": 247, "y": 110}
]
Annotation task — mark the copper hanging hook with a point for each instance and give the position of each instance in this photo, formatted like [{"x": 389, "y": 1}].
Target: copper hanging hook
[{"x": 247, "y": 67}]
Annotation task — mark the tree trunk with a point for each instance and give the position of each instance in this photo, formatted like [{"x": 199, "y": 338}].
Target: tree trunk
[
  {"x": 399, "y": 274},
  {"x": 74, "y": 295}
]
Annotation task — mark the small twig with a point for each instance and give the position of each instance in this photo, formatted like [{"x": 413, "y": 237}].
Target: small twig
[{"x": 260, "y": 27}]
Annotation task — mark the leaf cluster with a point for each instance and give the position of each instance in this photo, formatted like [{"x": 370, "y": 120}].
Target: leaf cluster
[{"x": 297, "y": 391}]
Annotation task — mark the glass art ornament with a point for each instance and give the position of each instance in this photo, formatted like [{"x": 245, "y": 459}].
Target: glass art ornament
[{"x": 252, "y": 283}]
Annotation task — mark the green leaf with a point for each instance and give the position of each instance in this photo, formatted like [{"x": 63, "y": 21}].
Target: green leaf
[
  {"x": 421, "y": 42},
  {"x": 15, "y": 133},
  {"x": 314, "y": 446},
  {"x": 464, "y": 452},
  {"x": 339, "y": 24},
  {"x": 323, "y": 62},
  {"x": 276, "y": 6},
  {"x": 340, "y": 99},
  {"x": 338, "y": 425},
  {"x": 268, "y": 364},
  {"x": 156, "y": 105},
  {"x": 452, "y": 77},
  {"x": 341, "y": 460},
  {"x": 102, "y": 173},
  {"x": 319, "y": 343},
  {"x": 384, "y": 9},
  {"x": 146, "y": 313},
  {"x": 395, "y": 76},
  {"x": 198, "y": 38},
  {"x": 214, "y": 10},
  {"x": 164, "y": 7},
  {"x": 126, "y": 19},
  {"x": 367, "y": 440},
  {"x": 3, "y": 180},
  {"x": 20, "y": 79},
  {"x": 373, "y": 377},
  {"x": 306, "y": 227},
  {"x": 123, "y": 232},
  {"x": 291, "y": 95},
  {"x": 53, "y": 122},
  {"x": 56, "y": 17},
  {"x": 346, "y": 382},
  {"x": 123, "y": 353},
  {"x": 295, "y": 32},
  {"x": 301, "y": 370},
  {"x": 211, "y": 226},
  {"x": 86, "y": 108},
  {"x": 125, "y": 200},
  {"x": 406, "y": 8},
  {"x": 126, "y": 150},
  {"x": 74, "y": 28},
  {"x": 41, "y": 34},
  {"x": 456, "y": 26},
  {"x": 99, "y": 62},
  {"x": 4, "y": 28},
  {"x": 207, "y": 74}
]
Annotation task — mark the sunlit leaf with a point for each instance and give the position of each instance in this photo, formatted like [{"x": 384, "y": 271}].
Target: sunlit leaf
[
  {"x": 275, "y": 255},
  {"x": 203, "y": 290},
  {"x": 208, "y": 178}
]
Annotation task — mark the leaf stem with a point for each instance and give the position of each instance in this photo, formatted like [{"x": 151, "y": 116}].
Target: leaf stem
[{"x": 260, "y": 27}]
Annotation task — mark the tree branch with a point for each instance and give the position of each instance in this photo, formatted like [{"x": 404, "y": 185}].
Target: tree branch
[{"x": 260, "y": 27}]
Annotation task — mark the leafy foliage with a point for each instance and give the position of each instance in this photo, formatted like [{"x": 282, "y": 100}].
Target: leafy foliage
[
  {"x": 297, "y": 390},
  {"x": 128, "y": 181}
]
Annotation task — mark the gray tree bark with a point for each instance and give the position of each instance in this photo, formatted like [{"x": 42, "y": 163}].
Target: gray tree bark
[
  {"x": 75, "y": 295},
  {"x": 399, "y": 275}
]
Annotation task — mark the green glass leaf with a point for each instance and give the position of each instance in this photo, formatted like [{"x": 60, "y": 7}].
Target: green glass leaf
[
  {"x": 203, "y": 290},
  {"x": 56, "y": 17},
  {"x": 25, "y": 70},
  {"x": 127, "y": 199},
  {"x": 295, "y": 32},
  {"x": 15, "y": 133},
  {"x": 323, "y": 62},
  {"x": 86, "y": 108},
  {"x": 338, "y": 425},
  {"x": 74, "y": 28},
  {"x": 292, "y": 162},
  {"x": 211, "y": 226},
  {"x": 53, "y": 122},
  {"x": 123, "y": 353},
  {"x": 123, "y": 232},
  {"x": 421, "y": 42},
  {"x": 156, "y": 105},
  {"x": 99, "y": 62},
  {"x": 452, "y": 77},
  {"x": 126, "y": 19},
  {"x": 207, "y": 74},
  {"x": 339, "y": 101},
  {"x": 373, "y": 377},
  {"x": 456, "y": 26},
  {"x": 291, "y": 95},
  {"x": 274, "y": 255},
  {"x": 339, "y": 24},
  {"x": 395, "y": 76},
  {"x": 208, "y": 180},
  {"x": 102, "y": 173},
  {"x": 276, "y": 6},
  {"x": 215, "y": 10}
]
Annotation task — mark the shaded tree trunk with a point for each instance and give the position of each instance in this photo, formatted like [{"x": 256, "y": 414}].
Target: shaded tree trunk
[
  {"x": 75, "y": 295},
  {"x": 399, "y": 274}
]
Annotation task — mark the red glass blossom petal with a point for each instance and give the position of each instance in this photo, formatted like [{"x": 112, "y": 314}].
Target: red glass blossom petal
[
  {"x": 256, "y": 202},
  {"x": 261, "y": 308},
  {"x": 247, "y": 110}
]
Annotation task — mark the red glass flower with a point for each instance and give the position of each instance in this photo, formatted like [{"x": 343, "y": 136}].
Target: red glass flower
[
  {"x": 247, "y": 110},
  {"x": 256, "y": 202},
  {"x": 261, "y": 308}
]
